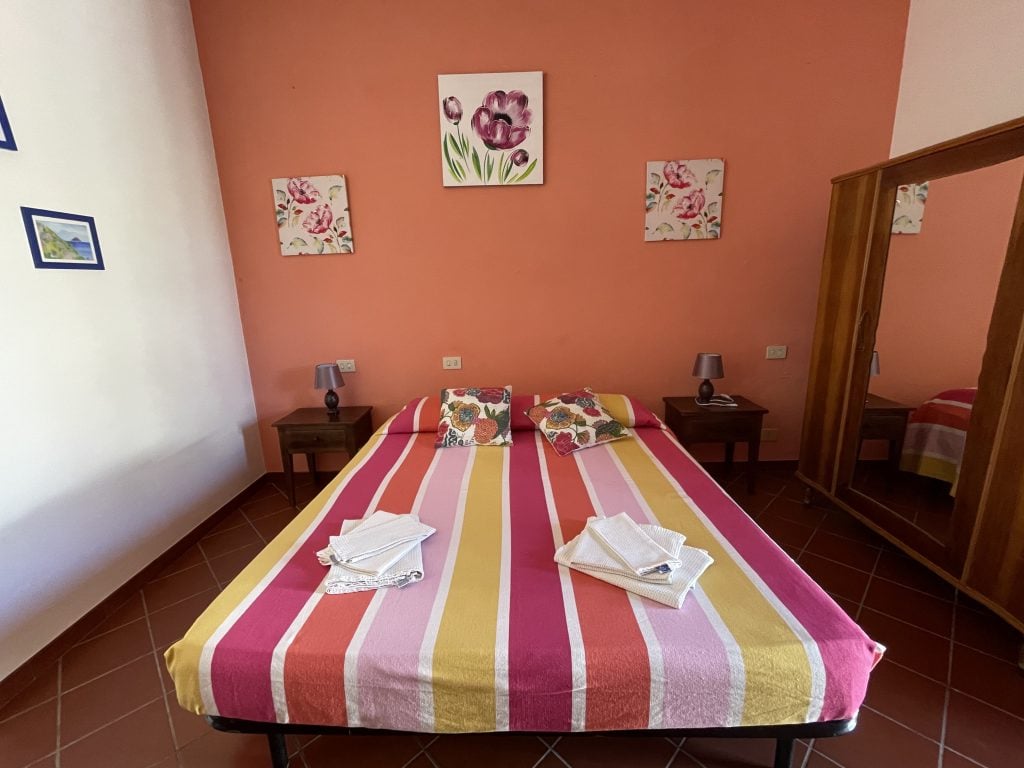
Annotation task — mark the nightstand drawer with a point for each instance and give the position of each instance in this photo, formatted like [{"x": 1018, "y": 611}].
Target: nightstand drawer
[
  {"x": 715, "y": 430},
  {"x": 302, "y": 440}
]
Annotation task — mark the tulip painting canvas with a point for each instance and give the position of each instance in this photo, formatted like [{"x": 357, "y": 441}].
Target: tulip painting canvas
[
  {"x": 684, "y": 199},
  {"x": 492, "y": 128},
  {"x": 909, "y": 212},
  {"x": 312, "y": 215}
]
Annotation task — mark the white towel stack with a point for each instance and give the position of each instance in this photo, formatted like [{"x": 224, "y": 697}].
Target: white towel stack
[
  {"x": 646, "y": 559},
  {"x": 382, "y": 550}
]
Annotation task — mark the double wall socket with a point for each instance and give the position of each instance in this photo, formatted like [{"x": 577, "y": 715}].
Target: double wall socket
[
  {"x": 347, "y": 366},
  {"x": 776, "y": 352},
  {"x": 453, "y": 363}
]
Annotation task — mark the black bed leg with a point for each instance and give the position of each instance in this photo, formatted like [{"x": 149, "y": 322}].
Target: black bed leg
[
  {"x": 279, "y": 750},
  {"x": 783, "y": 753}
]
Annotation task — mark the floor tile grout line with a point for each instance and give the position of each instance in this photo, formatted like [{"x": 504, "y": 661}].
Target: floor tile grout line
[
  {"x": 60, "y": 686},
  {"x": 117, "y": 719},
  {"x": 679, "y": 748},
  {"x": 105, "y": 632},
  {"x": 968, "y": 758},
  {"x": 108, "y": 672},
  {"x": 826, "y": 757},
  {"x": 807, "y": 754},
  {"x": 209, "y": 566},
  {"x": 406, "y": 764},
  {"x": 892, "y": 719},
  {"x": 26, "y": 710},
  {"x": 176, "y": 603},
  {"x": 160, "y": 676},
  {"x": 949, "y": 683},
  {"x": 559, "y": 757},
  {"x": 867, "y": 586},
  {"x": 547, "y": 751}
]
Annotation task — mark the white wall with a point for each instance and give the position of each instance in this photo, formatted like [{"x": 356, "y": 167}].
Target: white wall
[
  {"x": 963, "y": 69},
  {"x": 127, "y": 411}
]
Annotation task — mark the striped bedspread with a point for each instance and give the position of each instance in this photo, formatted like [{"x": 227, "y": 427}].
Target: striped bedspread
[
  {"x": 499, "y": 637},
  {"x": 936, "y": 434}
]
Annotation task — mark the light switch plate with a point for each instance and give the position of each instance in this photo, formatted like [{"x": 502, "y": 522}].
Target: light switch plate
[
  {"x": 778, "y": 352},
  {"x": 453, "y": 363},
  {"x": 347, "y": 366}
]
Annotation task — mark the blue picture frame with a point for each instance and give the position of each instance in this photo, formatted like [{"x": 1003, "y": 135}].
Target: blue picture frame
[
  {"x": 62, "y": 240},
  {"x": 6, "y": 134}
]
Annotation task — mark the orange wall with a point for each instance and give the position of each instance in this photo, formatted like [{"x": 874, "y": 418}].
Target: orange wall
[
  {"x": 940, "y": 285},
  {"x": 552, "y": 286}
]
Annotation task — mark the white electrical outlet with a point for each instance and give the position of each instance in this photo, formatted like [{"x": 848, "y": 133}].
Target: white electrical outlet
[
  {"x": 769, "y": 434},
  {"x": 347, "y": 366},
  {"x": 451, "y": 363},
  {"x": 776, "y": 352}
]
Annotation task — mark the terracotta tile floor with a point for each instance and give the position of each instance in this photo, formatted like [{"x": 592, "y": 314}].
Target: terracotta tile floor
[{"x": 948, "y": 694}]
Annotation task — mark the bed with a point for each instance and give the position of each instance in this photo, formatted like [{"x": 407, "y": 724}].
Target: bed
[
  {"x": 497, "y": 637},
  {"x": 936, "y": 433}
]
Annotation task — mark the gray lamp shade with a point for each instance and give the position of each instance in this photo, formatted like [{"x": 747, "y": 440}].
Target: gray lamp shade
[
  {"x": 708, "y": 365},
  {"x": 328, "y": 376},
  {"x": 876, "y": 367}
]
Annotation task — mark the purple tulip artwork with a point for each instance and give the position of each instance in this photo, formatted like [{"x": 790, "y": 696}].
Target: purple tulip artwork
[
  {"x": 492, "y": 129},
  {"x": 312, "y": 215},
  {"x": 684, "y": 199}
]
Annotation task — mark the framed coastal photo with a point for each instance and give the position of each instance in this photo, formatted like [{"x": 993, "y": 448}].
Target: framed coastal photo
[
  {"x": 62, "y": 240},
  {"x": 6, "y": 135},
  {"x": 492, "y": 129}
]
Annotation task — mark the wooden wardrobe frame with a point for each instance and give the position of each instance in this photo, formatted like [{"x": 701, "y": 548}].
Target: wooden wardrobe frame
[{"x": 985, "y": 556}]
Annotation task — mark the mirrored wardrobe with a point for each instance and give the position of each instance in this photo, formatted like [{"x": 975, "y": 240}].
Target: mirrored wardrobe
[{"x": 915, "y": 411}]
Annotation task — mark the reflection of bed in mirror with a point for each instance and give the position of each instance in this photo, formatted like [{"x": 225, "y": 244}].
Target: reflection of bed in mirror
[{"x": 936, "y": 433}]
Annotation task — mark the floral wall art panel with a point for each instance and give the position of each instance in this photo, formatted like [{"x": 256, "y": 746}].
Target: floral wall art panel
[
  {"x": 492, "y": 128},
  {"x": 909, "y": 213},
  {"x": 312, "y": 215},
  {"x": 684, "y": 199}
]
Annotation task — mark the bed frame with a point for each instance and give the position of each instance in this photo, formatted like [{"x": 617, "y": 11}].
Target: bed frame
[{"x": 784, "y": 735}]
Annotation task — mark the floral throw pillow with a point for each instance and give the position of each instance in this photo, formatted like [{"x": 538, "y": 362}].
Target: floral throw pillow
[
  {"x": 475, "y": 416},
  {"x": 576, "y": 420}
]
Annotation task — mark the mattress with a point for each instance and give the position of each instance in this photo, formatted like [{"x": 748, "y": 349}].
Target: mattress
[{"x": 499, "y": 637}]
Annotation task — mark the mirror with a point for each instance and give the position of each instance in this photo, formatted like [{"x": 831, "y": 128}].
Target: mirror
[{"x": 941, "y": 276}]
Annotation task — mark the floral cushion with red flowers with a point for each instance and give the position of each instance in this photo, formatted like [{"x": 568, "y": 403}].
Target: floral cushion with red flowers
[
  {"x": 576, "y": 420},
  {"x": 475, "y": 416}
]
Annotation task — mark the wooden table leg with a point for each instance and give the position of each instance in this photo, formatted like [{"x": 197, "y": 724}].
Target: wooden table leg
[
  {"x": 289, "y": 475},
  {"x": 753, "y": 449},
  {"x": 311, "y": 461}
]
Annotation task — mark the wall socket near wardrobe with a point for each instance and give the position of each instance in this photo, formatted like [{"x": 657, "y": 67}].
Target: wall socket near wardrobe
[
  {"x": 769, "y": 434},
  {"x": 778, "y": 352},
  {"x": 347, "y": 366}
]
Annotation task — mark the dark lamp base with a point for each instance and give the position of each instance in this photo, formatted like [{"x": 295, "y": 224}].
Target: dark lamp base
[
  {"x": 705, "y": 391},
  {"x": 331, "y": 401}
]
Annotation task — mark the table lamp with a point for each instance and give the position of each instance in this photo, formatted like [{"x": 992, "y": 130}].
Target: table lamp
[
  {"x": 707, "y": 366},
  {"x": 328, "y": 376}
]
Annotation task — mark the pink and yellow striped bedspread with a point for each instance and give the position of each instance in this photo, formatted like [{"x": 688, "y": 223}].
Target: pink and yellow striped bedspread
[{"x": 499, "y": 637}]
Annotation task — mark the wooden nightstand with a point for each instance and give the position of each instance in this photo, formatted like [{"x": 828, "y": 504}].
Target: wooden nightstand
[
  {"x": 694, "y": 423},
  {"x": 313, "y": 430},
  {"x": 885, "y": 420}
]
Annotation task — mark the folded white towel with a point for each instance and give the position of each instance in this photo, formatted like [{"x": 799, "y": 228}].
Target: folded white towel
[
  {"x": 379, "y": 532},
  {"x": 637, "y": 551},
  {"x": 692, "y": 563},
  {"x": 591, "y": 552},
  {"x": 371, "y": 565},
  {"x": 341, "y": 579}
]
